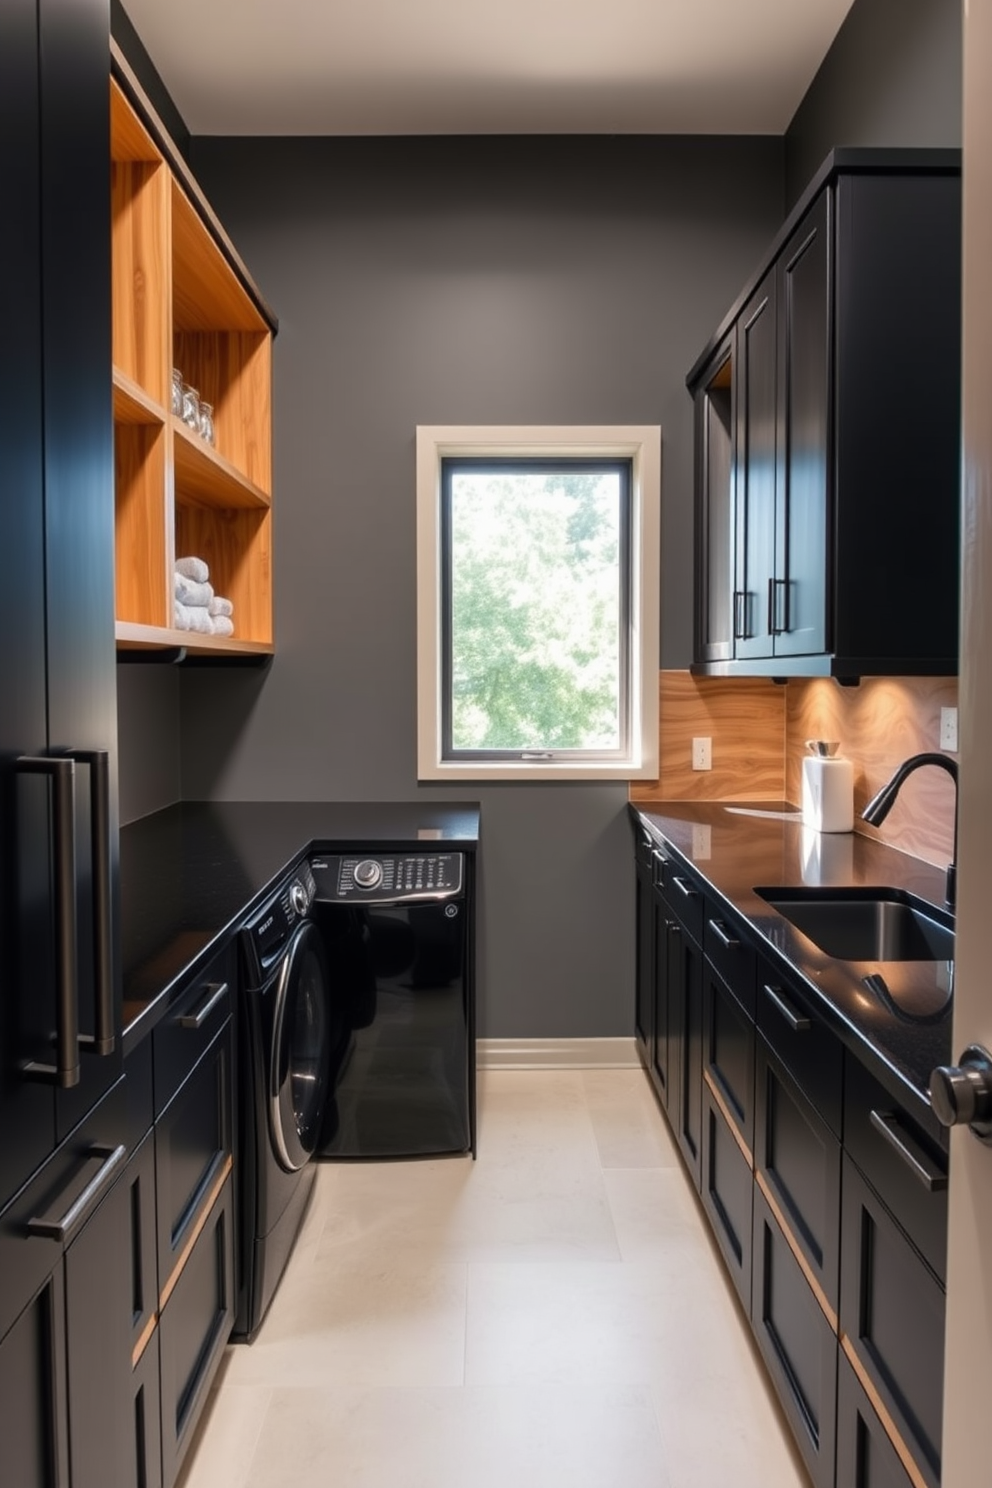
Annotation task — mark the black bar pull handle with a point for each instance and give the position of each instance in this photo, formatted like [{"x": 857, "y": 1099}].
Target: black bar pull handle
[
  {"x": 796, "y": 1021},
  {"x": 723, "y": 935},
  {"x": 685, "y": 888},
  {"x": 886, "y": 1123},
  {"x": 79, "y": 1209},
  {"x": 62, "y": 773},
  {"x": 98, "y": 761},
  {"x": 215, "y": 992}
]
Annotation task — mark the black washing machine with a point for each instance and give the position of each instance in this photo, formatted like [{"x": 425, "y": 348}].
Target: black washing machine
[
  {"x": 287, "y": 1042},
  {"x": 397, "y": 929}
]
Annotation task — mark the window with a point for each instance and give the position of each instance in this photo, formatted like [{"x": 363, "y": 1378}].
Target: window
[{"x": 538, "y": 556}]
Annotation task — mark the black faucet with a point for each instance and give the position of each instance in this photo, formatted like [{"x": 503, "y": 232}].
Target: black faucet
[{"x": 879, "y": 807}]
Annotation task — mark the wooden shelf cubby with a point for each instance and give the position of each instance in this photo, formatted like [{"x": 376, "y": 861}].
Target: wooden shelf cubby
[{"x": 180, "y": 300}]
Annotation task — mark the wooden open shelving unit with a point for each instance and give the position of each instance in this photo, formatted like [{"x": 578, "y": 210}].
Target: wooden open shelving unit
[{"x": 180, "y": 300}]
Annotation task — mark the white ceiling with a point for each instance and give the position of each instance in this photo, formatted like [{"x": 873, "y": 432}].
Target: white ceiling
[{"x": 487, "y": 66}]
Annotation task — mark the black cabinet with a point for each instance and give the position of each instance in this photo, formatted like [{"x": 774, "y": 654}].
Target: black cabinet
[
  {"x": 684, "y": 967},
  {"x": 798, "y": 1342},
  {"x": 892, "y": 1323},
  {"x": 61, "y": 1006},
  {"x": 645, "y": 950},
  {"x": 866, "y": 1457},
  {"x": 65, "y": 1312},
  {"x": 839, "y": 477}
]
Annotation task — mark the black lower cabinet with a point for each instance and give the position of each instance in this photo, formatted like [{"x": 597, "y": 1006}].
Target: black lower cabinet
[
  {"x": 146, "y": 1391},
  {"x": 727, "y": 1192},
  {"x": 196, "y": 1322},
  {"x": 645, "y": 912},
  {"x": 65, "y": 1356},
  {"x": 797, "y": 1163},
  {"x": 728, "y": 1052},
  {"x": 797, "y": 1342},
  {"x": 866, "y": 1457},
  {"x": 685, "y": 1045},
  {"x": 892, "y": 1316}
]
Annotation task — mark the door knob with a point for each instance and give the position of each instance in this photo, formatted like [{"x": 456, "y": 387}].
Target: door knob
[{"x": 961, "y": 1094}]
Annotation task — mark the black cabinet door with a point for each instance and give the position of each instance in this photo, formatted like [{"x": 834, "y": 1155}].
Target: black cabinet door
[
  {"x": 728, "y": 1054},
  {"x": 866, "y": 1458},
  {"x": 79, "y": 483},
  {"x": 27, "y": 1009},
  {"x": 645, "y": 973},
  {"x": 196, "y": 1324},
  {"x": 754, "y": 482},
  {"x": 797, "y": 1167},
  {"x": 799, "y": 597},
  {"x": 797, "y": 1342},
  {"x": 664, "y": 1062},
  {"x": 33, "y": 1391},
  {"x": 715, "y": 534},
  {"x": 686, "y": 1045},
  {"x": 98, "y": 1320},
  {"x": 892, "y": 1322},
  {"x": 727, "y": 1192}
]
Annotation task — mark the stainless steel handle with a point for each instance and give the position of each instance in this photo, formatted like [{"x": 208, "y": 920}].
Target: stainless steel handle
[
  {"x": 740, "y": 617},
  {"x": 886, "y": 1123},
  {"x": 98, "y": 761},
  {"x": 215, "y": 992},
  {"x": 798, "y": 1022},
  {"x": 728, "y": 941},
  {"x": 62, "y": 772},
  {"x": 62, "y": 1228},
  {"x": 684, "y": 888}
]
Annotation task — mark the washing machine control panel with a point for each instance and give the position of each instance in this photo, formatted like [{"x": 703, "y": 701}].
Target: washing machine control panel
[{"x": 387, "y": 878}]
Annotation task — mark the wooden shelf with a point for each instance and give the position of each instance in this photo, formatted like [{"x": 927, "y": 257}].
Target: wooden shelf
[
  {"x": 132, "y": 405},
  {"x": 131, "y": 637},
  {"x": 205, "y": 478},
  {"x": 180, "y": 302}
]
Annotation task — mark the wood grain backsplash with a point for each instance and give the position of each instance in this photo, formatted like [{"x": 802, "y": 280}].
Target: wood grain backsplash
[
  {"x": 759, "y": 733},
  {"x": 879, "y": 724},
  {"x": 744, "y": 717}
]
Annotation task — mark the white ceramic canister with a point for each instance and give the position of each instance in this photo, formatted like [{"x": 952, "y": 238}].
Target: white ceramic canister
[{"x": 828, "y": 788}]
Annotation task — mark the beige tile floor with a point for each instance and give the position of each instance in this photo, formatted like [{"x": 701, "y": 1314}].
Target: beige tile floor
[{"x": 552, "y": 1314}]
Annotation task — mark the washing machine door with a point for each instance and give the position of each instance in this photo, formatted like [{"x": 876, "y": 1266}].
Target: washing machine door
[{"x": 300, "y": 1054}]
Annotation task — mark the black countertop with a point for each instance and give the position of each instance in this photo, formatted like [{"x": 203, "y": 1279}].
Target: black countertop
[
  {"x": 190, "y": 875},
  {"x": 900, "y": 1032}
]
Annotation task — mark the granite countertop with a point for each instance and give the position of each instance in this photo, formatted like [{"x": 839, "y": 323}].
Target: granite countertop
[
  {"x": 190, "y": 875},
  {"x": 901, "y": 1029}
]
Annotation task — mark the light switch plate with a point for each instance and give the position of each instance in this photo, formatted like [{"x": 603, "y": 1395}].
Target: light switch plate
[
  {"x": 949, "y": 729},
  {"x": 702, "y": 754}
]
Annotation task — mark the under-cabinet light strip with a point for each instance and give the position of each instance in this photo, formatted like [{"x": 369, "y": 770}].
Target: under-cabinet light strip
[
  {"x": 793, "y": 1245},
  {"x": 724, "y": 1110},
  {"x": 197, "y": 1230},
  {"x": 878, "y": 1406}
]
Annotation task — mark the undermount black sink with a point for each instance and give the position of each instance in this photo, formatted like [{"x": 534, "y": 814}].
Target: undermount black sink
[{"x": 867, "y": 924}]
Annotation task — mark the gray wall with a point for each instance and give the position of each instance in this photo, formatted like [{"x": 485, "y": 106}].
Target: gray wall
[
  {"x": 148, "y": 738},
  {"x": 892, "y": 77},
  {"x": 452, "y": 281}
]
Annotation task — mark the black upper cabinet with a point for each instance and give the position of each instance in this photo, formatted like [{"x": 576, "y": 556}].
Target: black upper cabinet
[
  {"x": 827, "y": 415},
  {"x": 57, "y": 675}
]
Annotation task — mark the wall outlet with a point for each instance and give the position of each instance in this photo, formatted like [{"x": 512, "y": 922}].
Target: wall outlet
[
  {"x": 702, "y": 754},
  {"x": 949, "y": 729}
]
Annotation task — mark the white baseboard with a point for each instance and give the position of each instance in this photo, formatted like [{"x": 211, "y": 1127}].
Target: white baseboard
[{"x": 563, "y": 1053}]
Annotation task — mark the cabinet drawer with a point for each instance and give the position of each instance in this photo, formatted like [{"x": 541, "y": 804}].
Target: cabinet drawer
[
  {"x": 147, "y": 1414},
  {"x": 733, "y": 958},
  {"x": 191, "y": 1025},
  {"x": 906, "y": 1168},
  {"x": 192, "y": 1152},
  {"x": 195, "y": 1325},
  {"x": 807, "y": 1048},
  {"x": 140, "y": 1179},
  {"x": 728, "y": 1053},
  {"x": 892, "y": 1322},
  {"x": 797, "y": 1342},
  {"x": 727, "y": 1192},
  {"x": 686, "y": 900},
  {"x": 797, "y": 1164},
  {"x": 866, "y": 1457}
]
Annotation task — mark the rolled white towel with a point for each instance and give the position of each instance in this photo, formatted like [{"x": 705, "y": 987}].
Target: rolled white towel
[
  {"x": 220, "y": 606},
  {"x": 193, "y": 568},
  {"x": 223, "y": 625},
  {"x": 192, "y": 617},
  {"x": 189, "y": 592}
]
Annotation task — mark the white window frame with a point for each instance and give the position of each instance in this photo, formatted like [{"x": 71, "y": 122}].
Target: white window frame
[{"x": 639, "y": 443}]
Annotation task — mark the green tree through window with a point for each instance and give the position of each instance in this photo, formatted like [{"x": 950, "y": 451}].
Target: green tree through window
[{"x": 536, "y": 569}]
